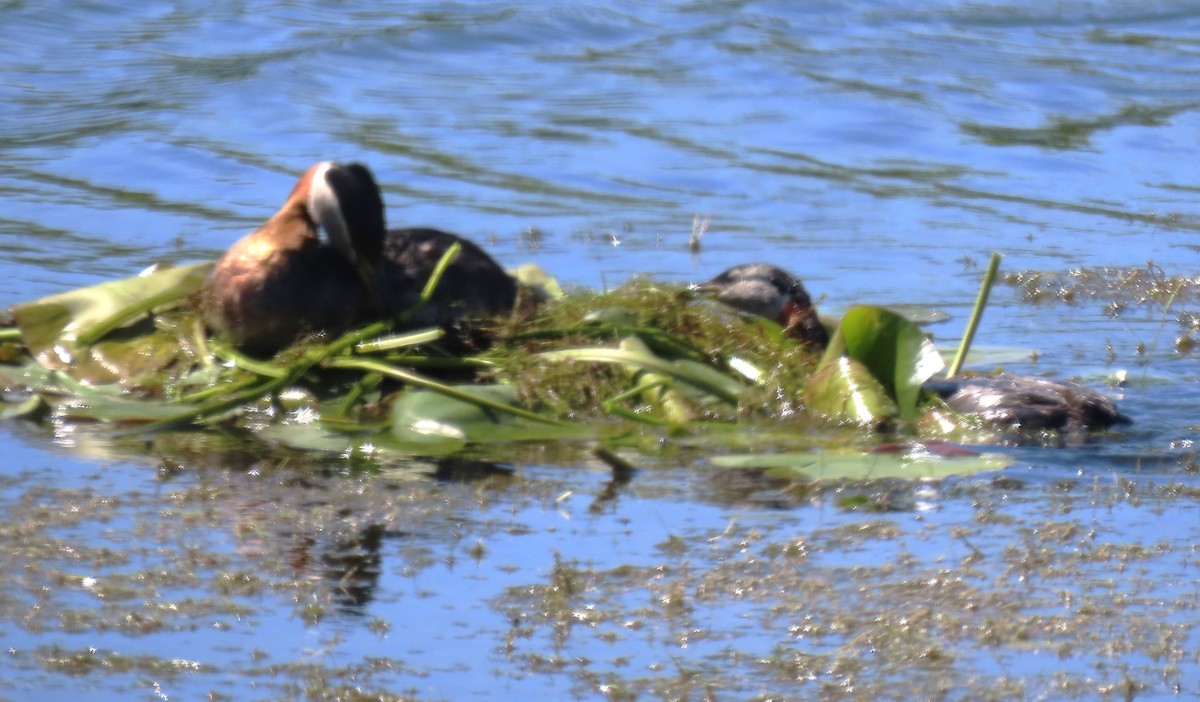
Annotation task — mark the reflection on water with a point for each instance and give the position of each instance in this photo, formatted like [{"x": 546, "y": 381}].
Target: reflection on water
[
  {"x": 286, "y": 576},
  {"x": 880, "y": 150}
]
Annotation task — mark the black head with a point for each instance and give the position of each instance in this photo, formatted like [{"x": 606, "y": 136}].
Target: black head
[
  {"x": 357, "y": 226},
  {"x": 345, "y": 202},
  {"x": 769, "y": 291}
]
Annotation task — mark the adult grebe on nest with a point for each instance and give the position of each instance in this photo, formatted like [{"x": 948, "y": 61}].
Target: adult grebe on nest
[
  {"x": 1018, "y": 401},
  {"x": 325, "y": 263}
]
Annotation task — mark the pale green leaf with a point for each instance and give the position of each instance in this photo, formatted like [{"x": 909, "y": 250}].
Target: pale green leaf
[{"x": 828, "y": 465}]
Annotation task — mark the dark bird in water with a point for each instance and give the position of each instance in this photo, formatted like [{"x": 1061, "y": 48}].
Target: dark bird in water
[
  {"x": 473, "y": 285},
  {"x": 771, "y": 292},
  {"x": 1028, "y": 402},
  {"x": 325, "y": 263},
  {"x": 1018, "y": 401}
]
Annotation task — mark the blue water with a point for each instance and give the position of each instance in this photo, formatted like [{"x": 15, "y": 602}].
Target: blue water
[{"x": 879, "y": 150}]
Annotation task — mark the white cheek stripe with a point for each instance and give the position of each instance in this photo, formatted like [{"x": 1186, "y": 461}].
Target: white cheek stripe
[{"x": 326, "y": 211}]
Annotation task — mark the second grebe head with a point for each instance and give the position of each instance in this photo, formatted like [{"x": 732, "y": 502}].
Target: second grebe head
[{"x": 769, "y": 291}]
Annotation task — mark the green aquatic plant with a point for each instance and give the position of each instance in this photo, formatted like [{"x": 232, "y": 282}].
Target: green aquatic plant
[
  {"x": 644, "y": 357},
  {"x": 874, "y": 344},
  {"x": 858, "y": 465},
  {"x": 114, "y": 331},
  {"x": 985, "y": 289}
]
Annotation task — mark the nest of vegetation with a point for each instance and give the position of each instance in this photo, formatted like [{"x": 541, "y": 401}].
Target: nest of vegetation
[
  {"x": 135, "y": 351},
  {"x": 673, "y": 322}
]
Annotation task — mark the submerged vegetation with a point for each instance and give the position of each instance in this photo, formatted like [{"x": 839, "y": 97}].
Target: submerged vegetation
[{"x": 1120, "y": 290}]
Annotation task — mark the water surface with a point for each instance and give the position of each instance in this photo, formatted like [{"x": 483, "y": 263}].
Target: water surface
[{"x": 879, "y": 150}]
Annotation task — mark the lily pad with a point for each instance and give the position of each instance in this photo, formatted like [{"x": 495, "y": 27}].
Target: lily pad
[
  {"x": 315, "y": 436},
  {"x": 919, "y": 314},
  {"x": 829, "y": 465},
  {"x": 32, "y": 407},
  {"x": 29, "y": 375},
  {"x": 435, "y": 418},
  {"x": 74, "y": 399},
  {"x": 108, "y": 403},
  {"x": 60, "y": 331},
  {"x": 988, "y": 357}
]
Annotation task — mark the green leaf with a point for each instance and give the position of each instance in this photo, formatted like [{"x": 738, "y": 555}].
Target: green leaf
[
  {"x": 844, "y": 389},
  {"x": 60, "y": 331},
  {"x": 32, "y": 407},
  {"x": 633, "y": 353},
  {"x": 31, "y": 376},
  {"x": 893, "y": 349},
  {"x": 433, "y": 417},
  {"x": 828, "y": 465}
]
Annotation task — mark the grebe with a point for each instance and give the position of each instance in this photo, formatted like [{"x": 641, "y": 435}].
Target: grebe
[
  {"x": 473, "y": 285},
  {"x": 771, "y": 292},
  {"x": 325, "y": 262},
  {"x": 302, "y": 271},
  {"x": 1018, "y": 401},
  {"x": 1029, "y": 402}
]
